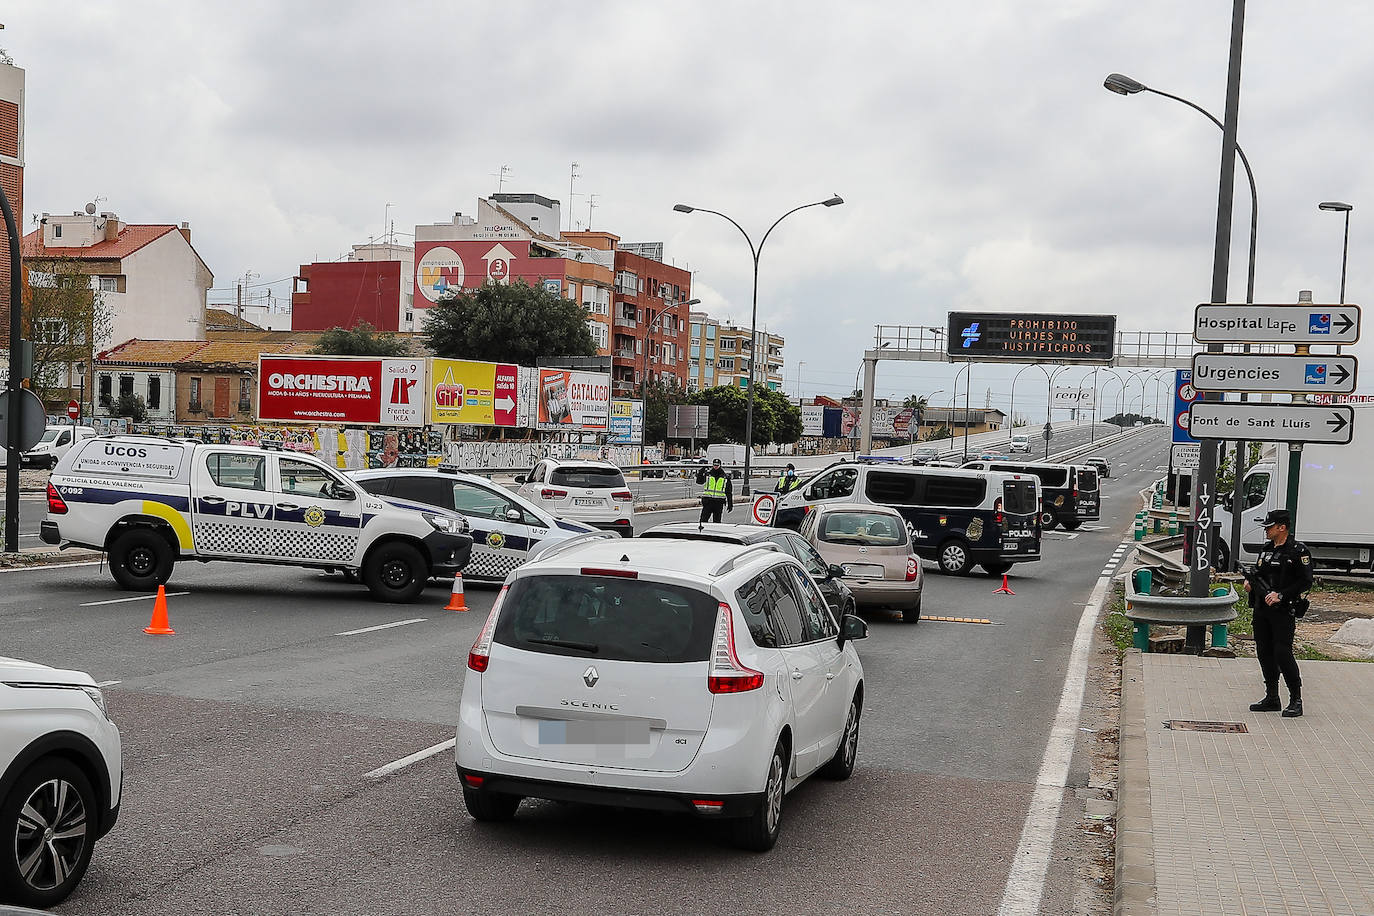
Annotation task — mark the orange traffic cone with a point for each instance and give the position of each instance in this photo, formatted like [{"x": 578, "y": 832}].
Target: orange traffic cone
[
  {"x": 456, "y": 601},
  {"x": 1005, "y": 589},
  {"x": 159, "y": 626}
]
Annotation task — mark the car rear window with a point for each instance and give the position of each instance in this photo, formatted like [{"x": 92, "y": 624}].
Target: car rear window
[
  {"x": 1018, "y": 497},
  {"x": 573, "y": 476},
  {"x": 1087, "y": 479},
  {"x": 601, "y": 617},
  {"x": 866, "y": 529}
]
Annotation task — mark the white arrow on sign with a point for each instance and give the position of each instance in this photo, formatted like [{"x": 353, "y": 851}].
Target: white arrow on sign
[
  {"x": 1333, "y": 425},
  {"x": 1294, "y": 324},
  {"x": 1298, "y": 374},
  {"x": 504, "y": 404}
]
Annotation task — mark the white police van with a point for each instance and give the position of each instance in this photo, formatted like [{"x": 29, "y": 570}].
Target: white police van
[{"x": 149, "y": 502}]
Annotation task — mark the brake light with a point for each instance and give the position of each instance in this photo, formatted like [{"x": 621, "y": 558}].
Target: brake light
[
  {"x": 727, "y": 674},
  {"x": 474, "y": 781},
  {"x": 550, "y": 493},
  {"x": 707, "y": 806},
  {"x": 622, "y": 495},
  {"x": 913, "y": 569},
  {"x": 618, "y": 573},
  {"x": 997, "y": 507},
  {"x": 479, "y": 656},
  {"x": 56, "y": 506}
]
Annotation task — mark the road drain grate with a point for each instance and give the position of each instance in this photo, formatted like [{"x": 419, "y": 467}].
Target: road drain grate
[{"x": 1193, "y": 725}]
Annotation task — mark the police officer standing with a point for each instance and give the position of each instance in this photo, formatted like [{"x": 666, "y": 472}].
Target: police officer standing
[
  {"x": 1276, "y": 587},
  {"x": 787, "y": 480},
  {"x": 718, "y": 492}
]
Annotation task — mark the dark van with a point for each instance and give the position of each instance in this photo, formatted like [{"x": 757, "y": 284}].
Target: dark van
[
  {"x": 956, "y": 517},
  {"x": 1068, "y": 492}
]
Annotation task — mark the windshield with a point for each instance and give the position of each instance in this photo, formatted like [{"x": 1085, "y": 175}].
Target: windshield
[
  {"x": 49, "y": 435},
  {"x": 587, "y": 477},
  {"x": 867, "y": 529},
  {"x": 613, "y": 619}
]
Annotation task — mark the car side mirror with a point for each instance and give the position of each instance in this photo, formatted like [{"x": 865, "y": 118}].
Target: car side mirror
[
  {"x": 836, "y": 572},
  {"x": 852, "y": 627},
  {"x": 520, "y": 478},
  {"x": 514, "y": 515},
  {"x": 341, "y": 491}
]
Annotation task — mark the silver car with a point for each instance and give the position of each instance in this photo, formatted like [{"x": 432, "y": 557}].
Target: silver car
[{"x": 873, "y": 547}]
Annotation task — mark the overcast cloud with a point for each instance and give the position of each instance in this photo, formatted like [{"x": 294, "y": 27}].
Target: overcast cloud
[{"x": 982, "y": 163}]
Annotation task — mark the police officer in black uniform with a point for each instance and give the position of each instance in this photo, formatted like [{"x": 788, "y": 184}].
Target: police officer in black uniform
[{"x": 1276, "y": 587}]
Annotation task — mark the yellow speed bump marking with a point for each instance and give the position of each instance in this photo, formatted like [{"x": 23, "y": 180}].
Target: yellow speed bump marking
[{"x": 957, "y": 619}]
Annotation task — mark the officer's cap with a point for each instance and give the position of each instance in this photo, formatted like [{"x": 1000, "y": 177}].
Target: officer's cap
[
  {"x": 716, "y": 463},
  {"x": 1277, "y": 517}
]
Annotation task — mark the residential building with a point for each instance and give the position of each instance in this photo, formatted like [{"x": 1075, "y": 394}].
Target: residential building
[
  {"x": 376, "y": 284},
  {"x": 979, "y": 419},
  {"x": 184, "y": 381},
  {"x": 733, "y": 356},
  {"x": 11, "y": 175},
  {"x": 515, "y": 237},
  {"x": 149, "y": 276},
  {"x": 701, "y": 368},
  {"x": 649, "y": 318}
]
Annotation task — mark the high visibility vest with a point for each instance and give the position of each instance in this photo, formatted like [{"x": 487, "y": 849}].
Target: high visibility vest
[
  {"x": 782, "y": 482},
  {"x": 715, "y": 486}
]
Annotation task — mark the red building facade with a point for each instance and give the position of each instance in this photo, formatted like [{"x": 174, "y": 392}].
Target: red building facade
[
  {"x": 343, "y": 293},
  {"x": 649, "y": 321}
]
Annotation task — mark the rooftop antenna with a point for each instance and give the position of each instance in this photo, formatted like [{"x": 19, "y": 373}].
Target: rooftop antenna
[
  {"x": 572, "y": 176},
  {"x": 591, "y": 205},
  {"x": 386, "y": 221},
  {"x": 500, "y": 175}
]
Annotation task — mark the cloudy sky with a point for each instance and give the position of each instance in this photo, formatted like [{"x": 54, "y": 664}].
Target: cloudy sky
[{"x": 982, "y": 163}]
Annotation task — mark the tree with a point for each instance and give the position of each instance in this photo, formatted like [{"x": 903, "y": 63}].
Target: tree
[
  {"x": 515, "y": 323},
  {"x": 776, "y": 419},
  {"x": 131, "y": 406},
  {"x": 66, "y": 318},
  {"x": 360, "y": 340},
  {"x": 917, "y": 404}
]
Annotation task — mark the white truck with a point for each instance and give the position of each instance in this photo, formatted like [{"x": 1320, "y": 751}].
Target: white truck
[
  {"x": 1335, "y": 501},
  {"x": 149, "y": 502},
  {"x": 731, "y": 457}
]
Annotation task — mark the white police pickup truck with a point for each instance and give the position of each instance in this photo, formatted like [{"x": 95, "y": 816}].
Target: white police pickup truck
[{"x": 149, "y": 502}]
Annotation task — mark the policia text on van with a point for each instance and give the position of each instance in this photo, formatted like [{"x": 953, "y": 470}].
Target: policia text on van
[
  {"x": 150, "y": 502},
  {"x": 956, "y": 517}
]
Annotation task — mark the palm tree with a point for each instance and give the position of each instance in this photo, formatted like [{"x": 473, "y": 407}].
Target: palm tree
[{"x": 917, "y": 404}]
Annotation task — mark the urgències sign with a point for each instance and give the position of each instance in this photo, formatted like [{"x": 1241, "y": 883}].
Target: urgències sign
[{"x": 340, "y": 389}]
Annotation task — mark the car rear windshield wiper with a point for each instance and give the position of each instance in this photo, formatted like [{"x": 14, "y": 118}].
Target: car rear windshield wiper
[{"x": 567, "y": 644}]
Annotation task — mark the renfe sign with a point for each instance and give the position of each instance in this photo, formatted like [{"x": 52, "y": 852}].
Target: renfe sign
[
  {"x": 339, "y": 389},
  {"x": 1031, "y": 338}
]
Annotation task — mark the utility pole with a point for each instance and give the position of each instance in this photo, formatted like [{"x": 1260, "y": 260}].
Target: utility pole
[{"x": 572, "y": 177}]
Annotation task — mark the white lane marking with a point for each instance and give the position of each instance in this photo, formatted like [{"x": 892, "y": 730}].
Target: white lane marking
[
  {"x": 1026, "y": 882},
  {"x": 1072, "y": 536},
  {"x": 42, "y": 566},
  {"x": 107, "y": 683},
  {"x": 416, "y": 757},
  {"x": 382, "y": 626},
  {"x": 134, "y": 598}
]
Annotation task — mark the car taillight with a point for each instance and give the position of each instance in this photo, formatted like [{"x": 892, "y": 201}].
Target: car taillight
[
  {"x": 622, "y": 495},
  {"x": 913, "y": 569},
  {"x": 727, "y": 674},
  {"x": 550, "y": 493},
  {"x": 56, "y": 506},
  {"x": 997, "y": 507},
  {"x": 479, "y": 656}
]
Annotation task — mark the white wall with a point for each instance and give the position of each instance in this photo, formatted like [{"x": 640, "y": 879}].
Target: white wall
[
  {"x": 167, "y": 399},
  {"x": 164, "y": 297}
]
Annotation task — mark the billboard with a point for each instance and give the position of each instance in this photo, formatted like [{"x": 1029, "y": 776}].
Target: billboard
[
  {"x": 1030, "y": 338},
  {"x": 627, "y": 422},
  {"x": 341, "y": 389},
  {"x": 444, "y": 268},
  {"x": 464, "y": 391},
  {"x": 1072, "y": 399},
  {"x": 813, "y": 420},
  {"x": 569, "y": 399}
]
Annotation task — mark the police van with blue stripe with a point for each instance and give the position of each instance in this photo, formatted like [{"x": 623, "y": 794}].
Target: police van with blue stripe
[{"x": 148, "y": 502}]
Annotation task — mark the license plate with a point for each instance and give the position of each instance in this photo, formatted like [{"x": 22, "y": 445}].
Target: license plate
[
  {"x": 608, "y": 733},
  {"x": 586, "y": 502},
  {"x": 865, "y": 570}
]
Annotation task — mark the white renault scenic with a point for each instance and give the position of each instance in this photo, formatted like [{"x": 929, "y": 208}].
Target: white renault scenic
[{"x": 696, "y": 677}]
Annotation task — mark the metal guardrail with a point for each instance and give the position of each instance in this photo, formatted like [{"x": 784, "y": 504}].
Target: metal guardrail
[{"x": 1179, "y": 610}]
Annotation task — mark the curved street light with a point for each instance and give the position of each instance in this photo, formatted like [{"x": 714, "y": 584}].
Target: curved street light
[
  {"x": 914, "y": 424},
  {"x": 754, "y": 252},
  {"x": 1339, "y": 207}
]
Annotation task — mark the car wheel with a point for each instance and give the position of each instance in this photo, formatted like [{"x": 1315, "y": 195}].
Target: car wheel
[
  {"x": 490, "y": 807},
  {"x": 47, "y": 829},
  {"x": 1223, "y": 555},
  {"x": 52, "y": 462},
  {"x": 141, "y": 559},
  {"x": 1047, "y": 520},
  {"x": 912, "y": 614},
  {"x": 841, "y": 766},
  {"x": 1072, "y": 524},
  {"x": 395, "y": 572},
  {"x": 759, "y": 831},
  {"x": 996, "y": 569},
  {"x": 954, "y": 558}
]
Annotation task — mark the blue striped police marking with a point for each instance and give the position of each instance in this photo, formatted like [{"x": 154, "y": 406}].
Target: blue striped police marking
[{"x": 105, "y": 497}]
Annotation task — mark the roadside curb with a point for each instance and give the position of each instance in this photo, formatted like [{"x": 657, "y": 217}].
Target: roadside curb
[
  {"x": 667, "y": 504},
  {"x": 52, "y": 557},
  {"x": 1135, "y": 850}
]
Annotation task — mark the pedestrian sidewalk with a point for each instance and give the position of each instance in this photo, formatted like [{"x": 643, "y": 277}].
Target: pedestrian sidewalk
[{"x": 1276, "y": 821}]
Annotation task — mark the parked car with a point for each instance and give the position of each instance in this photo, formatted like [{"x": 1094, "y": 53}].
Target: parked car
[
  {"x": 1103, "y": 466},
  {"x": 829, "y": 579},
  {"x": 61, "y": 776},
  {"x": 506, "y": 528},
  {"x": 593, "y": 492},
  {"x": 871, "y": 545},
  {"x": 702, "y": 678}
]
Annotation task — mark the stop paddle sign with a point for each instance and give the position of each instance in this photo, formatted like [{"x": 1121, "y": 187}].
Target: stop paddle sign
[{"x": 73, "y": 410}]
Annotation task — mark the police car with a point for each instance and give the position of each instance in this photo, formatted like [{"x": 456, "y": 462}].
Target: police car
[
  {"x": 150, "y": 501},
  {"x": 506, "y": 528}
]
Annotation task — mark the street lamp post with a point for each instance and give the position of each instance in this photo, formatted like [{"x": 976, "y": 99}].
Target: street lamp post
[
  {"x": 1013, "y": 393},
  {"x": 1338, "y": 207},
  {"x": 755, "y": 252},
  {"x": 1049, "y": 400},
  {"x": 800, "y": 363},
  {"x": 914, "y": 424}
]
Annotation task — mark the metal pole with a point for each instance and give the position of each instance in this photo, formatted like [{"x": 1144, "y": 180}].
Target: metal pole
[
  {"x": 13, "y": 426},
  {"x": 1200, "y": 563},
  {"x": 1345, "y": 250},
  {"x": 968, "y": 387}
]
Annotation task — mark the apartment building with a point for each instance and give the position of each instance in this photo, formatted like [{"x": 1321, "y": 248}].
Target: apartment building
[
  {"x": 733, "y": 357},
  {"x": 650, "y": 309}
]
